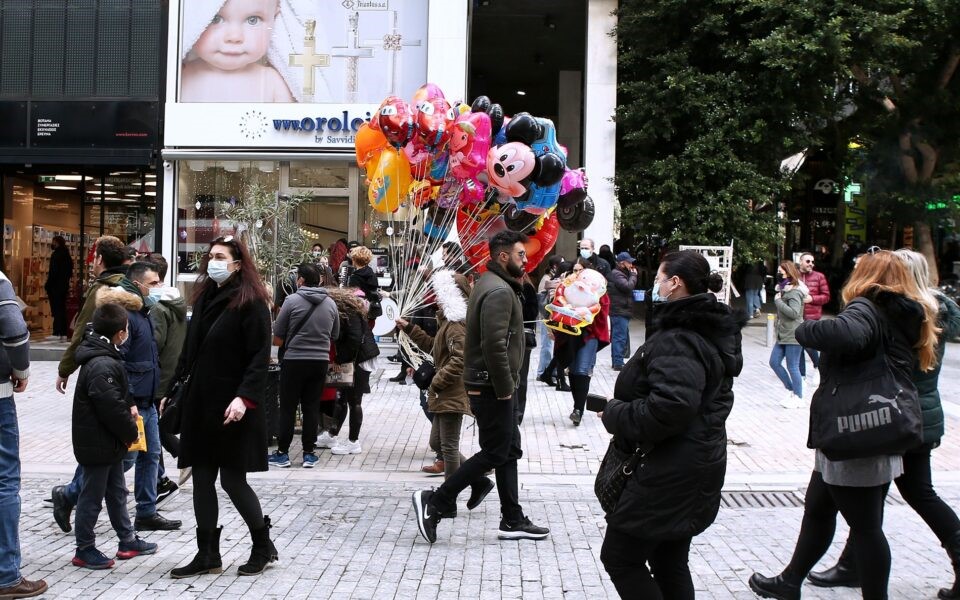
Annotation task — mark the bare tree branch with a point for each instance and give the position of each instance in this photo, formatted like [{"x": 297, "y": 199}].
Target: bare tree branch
[
  {"x": 929, "y": 154},
  {"x": 907, "y": 162},
  {"x": 949, "y": 68}
]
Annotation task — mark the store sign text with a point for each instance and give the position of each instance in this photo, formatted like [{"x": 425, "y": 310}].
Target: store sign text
[{"x": 335, "y": 130}]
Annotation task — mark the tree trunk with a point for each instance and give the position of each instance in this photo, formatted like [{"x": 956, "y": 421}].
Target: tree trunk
[{"x": 923, "y": 242}]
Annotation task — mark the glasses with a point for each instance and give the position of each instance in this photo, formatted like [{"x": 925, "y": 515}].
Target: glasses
[{"x": 224, "y": 239}]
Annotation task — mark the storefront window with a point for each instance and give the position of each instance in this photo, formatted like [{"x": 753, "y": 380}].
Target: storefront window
[
  {"x": 205, "y": 189},
  {"x": 313, "y": 174}
]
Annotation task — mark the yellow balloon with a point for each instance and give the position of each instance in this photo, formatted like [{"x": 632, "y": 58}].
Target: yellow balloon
[{"x": 390, "y": 182}]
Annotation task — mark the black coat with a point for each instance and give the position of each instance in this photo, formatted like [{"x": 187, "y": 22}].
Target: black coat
[
  {"x": 103, "y": 427},
  {"x": 61, "y": 269},
  {"x": 226, "y": 359},
  {"x": 675, "y": 393},
  {"x": 366, "y": 280}
]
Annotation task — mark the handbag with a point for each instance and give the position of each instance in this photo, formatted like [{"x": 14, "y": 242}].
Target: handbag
[
  {"x": 615, "y": 470},
  {"x": 375, "y": 308},
  {"x": 172, "y": 416},
  {"x": 341, "y": 378},
  {"x": 423, "y": 376},
  {"x": 866, "y": 409}
]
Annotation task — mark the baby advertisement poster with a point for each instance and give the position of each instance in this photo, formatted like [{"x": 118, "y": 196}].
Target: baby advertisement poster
[{"x": 307, "y": 51}]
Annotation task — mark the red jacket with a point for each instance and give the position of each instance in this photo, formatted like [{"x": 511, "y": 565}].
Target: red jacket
[
  {"x": 816, "y": 282},
  {"x": 600, "y": 328}
]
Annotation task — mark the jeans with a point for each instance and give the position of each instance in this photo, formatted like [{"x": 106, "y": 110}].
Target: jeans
[
  {"x": 499, "y": 437},
  {"x": 585, "y": 359},
  {"x": 792, "y": 352},
  {"x": 445, "y": 441},
  {"x": 147, "y": 463},
  {"x": 71, "y": 491},
  {"x": 103, "y": 482},
  {"x": 9, "y": 494},
  {"x": 752, "y": 296},
  {"x": 814, "y": 358},
  {"x": 862, "y": 509},
  {"x": 301, "y": 384},
  {"x": 625, "y": 559},
  {"x": 619, "y": 339},
  {"x": 546, "y": 347}
]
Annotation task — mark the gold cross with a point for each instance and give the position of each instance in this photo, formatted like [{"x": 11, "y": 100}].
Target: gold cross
[{"x": 309, "y": 60}]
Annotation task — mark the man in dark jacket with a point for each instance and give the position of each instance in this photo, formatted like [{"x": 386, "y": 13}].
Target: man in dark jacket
[
  {"x": 623, "y": 280},
  {"x": 816, "y": 283},
  {"x": 14, "y": 373},
  {"x": 58, "y": 286},
  {"x": 493, "y": 356},
  {"x": 587, "y": 253},
  {"x": 142, "y": 363}
]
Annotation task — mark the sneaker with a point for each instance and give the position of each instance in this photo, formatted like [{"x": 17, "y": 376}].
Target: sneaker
[
  {"x": 521, "y": 530},
  {"x": 346, "y": 447},
  {"x": 279, "y": 459},
  {"x": 427, "y": 516},
  {"x": 310, "y": 460},
  {"x": 135, "y": 547},
  {"x": 479, "y": 491},
  {"x": 185, "y": 475},
  {"x": 91, "y": 558},
  {"x": 61, "y": 508},
  {"x": 166, "y": 489},
  {"x": 791, "y": 400},
  {"x": 325, "y": 440}
]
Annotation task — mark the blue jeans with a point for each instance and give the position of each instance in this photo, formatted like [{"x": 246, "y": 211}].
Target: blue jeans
[
  {"x": 147, "y": 463},
  {"x": 9, "y": 494},
  {"x": 752, "y": 297},
  {"x": 619, "y": 338},
  {"x": 546, "y": 348},
  {"x": 814, "y": 358},
  {"x": 793, "y": 352},
  {"x": 585, "y": 359}
]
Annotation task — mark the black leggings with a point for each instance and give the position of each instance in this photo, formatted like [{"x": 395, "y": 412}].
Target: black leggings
[
  {"x": 349, "y": 401},
  {"x": 234, "y": 483},
  {"x": 301, "y": 384},
  {"x": 625, "y": 559},
  {"x": 862, "y": 509}
]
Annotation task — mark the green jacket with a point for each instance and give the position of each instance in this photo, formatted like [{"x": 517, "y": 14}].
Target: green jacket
[
  {"x": 169, "y": 318},
  {"x": 789, "y": 315},
  {"x": 109, "y": 278},
  {"x": 494, "y": 348},
  {"x": 948, "y": 320}
]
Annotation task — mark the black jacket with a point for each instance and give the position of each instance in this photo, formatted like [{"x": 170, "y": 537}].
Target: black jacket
[
  {"x": 366, "y": 280},
  {"x": 61, "y": 269},
  {"x": 620, "y": 289},
  {"x": 103, "y": 427},
  {"x": 226, "y": 358},
  {"x": 356, "y": 343},
  {"x": 675, "y": 394}
]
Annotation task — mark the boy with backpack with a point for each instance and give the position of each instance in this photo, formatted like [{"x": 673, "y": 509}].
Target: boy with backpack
[{"x": 104, "y": 426}]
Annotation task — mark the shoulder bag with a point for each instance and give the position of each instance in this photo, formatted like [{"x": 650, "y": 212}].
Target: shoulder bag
[
  {"x": 423, "y": 376},
  {"x": 866, "y": 409},
  {"x": 293, "y": 332}
]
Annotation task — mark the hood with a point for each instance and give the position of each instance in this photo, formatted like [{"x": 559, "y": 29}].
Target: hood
[
  {"x": 169, "y": 294},
  {"x": 711, "y": 319},
  {"x": 118, "y": 295},
  {"x": 452, "y": 291},
  {"x": 903, "y": 314},
  {"x": 176, "y": 304},
  {"x": 94, "y": 345},
  {"x": 367, "y": 274},
  {"x": 313, "y": 295},
  {"x": 113, "y": 276}
]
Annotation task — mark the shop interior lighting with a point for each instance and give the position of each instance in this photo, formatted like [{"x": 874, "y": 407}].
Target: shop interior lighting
[
  {"x": 60, "y": 187},
  {"x": 152, "y": 183},
  {"x": 521, "y": 93},
  {"x": 73, "y": 177},
  {"x": 150, "y": 193}
]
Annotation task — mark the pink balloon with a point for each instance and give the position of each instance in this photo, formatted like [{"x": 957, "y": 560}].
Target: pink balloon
[
  {"x": 469, "y": 145},
  {"x": 573, "y": 179}
]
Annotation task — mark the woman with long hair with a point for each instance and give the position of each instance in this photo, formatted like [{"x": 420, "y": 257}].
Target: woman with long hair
[
  {"x": 884, "y": 309},
  {"x": 671, "y": 401},
  {"x": 791, "y": 295},
  {"x": 582, "y": 350},
  {"x": 916, "y": 484},
  {"x": 223, "y": 431}
]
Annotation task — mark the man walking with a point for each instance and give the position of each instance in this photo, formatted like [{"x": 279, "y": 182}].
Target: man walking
[
  {"x": 622, "y": 279},
  {"x": 493, "y": 354},
  {"x": 816, "y": 283},
  {"x": 14, "y": 372},
  {"x": 587, "y": 253}
]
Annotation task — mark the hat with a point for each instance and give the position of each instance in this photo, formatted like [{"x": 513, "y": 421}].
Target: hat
[
  {"x": 625, "y": 256},
  {"x": 352, "y": 244}
]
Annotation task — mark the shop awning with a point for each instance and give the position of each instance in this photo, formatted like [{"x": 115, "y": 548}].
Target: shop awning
[{"x": 282, "y": 155}]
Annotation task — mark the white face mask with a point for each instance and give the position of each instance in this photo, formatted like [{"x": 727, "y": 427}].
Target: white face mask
[{"x": 218, "y": 270}]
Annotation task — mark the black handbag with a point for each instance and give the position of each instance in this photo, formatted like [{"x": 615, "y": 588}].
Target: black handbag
[
  {"x": 423, "y": 376},
  {"x": 866, "y": 409},
  {"x": 615, "y": 470},
  {"x": 172, "y": 417}
]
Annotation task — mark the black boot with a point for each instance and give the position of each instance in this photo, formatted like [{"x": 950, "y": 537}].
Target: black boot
[
  {"x": 843, "y": 574},
  {"x": 579, "y": 388},
  {"x": 778, "y": 587},
  {"x": 546, "y": 378},
  {"x": 953, "y": 551},
  {"x": 263, "y": 552},
  {"x": 207, "y": 559},
  {"x": 562, "y": 382}
]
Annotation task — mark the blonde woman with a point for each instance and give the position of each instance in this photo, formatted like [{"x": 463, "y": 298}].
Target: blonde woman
[{"x": 364, "y": 278}]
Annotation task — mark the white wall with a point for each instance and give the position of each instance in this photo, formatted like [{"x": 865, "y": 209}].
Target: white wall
[
  {"x": 601, "y": 102},
  {"x": 447, "y": 48}
]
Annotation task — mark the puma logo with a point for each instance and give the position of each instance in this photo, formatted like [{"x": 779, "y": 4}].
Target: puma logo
[{"x": 891, "y": 402}]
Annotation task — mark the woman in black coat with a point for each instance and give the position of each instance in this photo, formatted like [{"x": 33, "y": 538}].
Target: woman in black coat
[
  {"x": 672, "y": 400},
  {"x": 223, "y": 427}
]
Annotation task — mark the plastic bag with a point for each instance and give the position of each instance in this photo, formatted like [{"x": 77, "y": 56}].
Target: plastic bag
[{"x": 141, "y": 444}]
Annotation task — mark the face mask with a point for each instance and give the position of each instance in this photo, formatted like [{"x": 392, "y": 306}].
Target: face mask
[
  {"x": 151, "y": 301},
  {"x": 656, "y": 297},
  {"x": 125, "y": 339},
  {"x": 586, "y": 253},
  {"x": 156, "y": 293},
  {"x": 217, "y": 270},
  {"x": 317, "y": 253}
]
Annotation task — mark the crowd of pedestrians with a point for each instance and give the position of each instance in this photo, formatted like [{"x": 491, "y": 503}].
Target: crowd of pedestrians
[{"x": 151, "y": 379}]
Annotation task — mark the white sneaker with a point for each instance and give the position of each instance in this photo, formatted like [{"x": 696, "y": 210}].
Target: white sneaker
[
  {"x": 345, "y": 446},
  {"x": 325, "y": 440},
  {"x": 812, "y": 380},
  {"x": 791, "y": 400}
]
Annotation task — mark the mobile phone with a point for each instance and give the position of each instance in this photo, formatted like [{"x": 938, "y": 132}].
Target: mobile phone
[{"x": 596, "y": 402}]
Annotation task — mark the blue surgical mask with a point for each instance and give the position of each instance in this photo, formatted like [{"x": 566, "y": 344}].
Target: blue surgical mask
[
  {"x": 151, "y": 301},
  {"x": 586, "y": 253},
  {"x": 156, "y": 293},
  {"x": 217, "y": 270},
  {"x": 655, "y": 293}
]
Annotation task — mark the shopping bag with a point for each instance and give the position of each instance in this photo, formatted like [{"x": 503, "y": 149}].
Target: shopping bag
[{"x": 141, "y": 444}]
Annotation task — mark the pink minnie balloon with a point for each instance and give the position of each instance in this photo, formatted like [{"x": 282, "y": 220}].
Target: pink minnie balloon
[
  {"x": 472, "y": 192},
  {"x": 573, "y": 179},
  {"x": 469, "y": 145}
]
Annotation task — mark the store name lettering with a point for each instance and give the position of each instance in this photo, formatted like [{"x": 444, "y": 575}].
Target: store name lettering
[{"x": 321, "y": 126}]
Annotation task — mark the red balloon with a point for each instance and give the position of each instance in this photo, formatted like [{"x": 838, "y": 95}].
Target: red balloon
[
  {"x": 541, "y": 243},
  {"x": 395, "y": 120}
]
